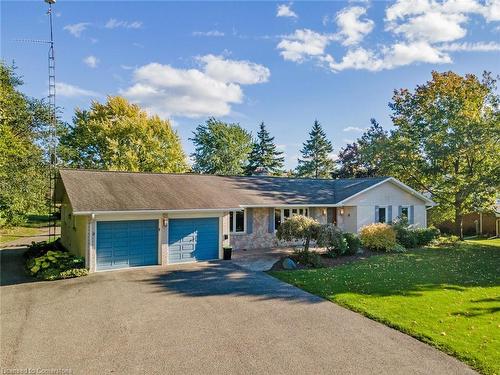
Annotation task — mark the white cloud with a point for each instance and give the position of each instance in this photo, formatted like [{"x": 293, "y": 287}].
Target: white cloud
[
  {"x": 353, "y": 129},
  {"x": 284, "y": 10},
  {"x": 113, "y": 23},
  {"x": 399, "y": 54},
  {"x": 419, "y": 31},
  {"x": 471, "y": 47},
  {"x": 352, "y": 28},
  {"x": 302, "y": 44},
  {"x": 91, "y": 61},
  {"x": 491, "y": 10},
  {"x": 209, "y": 91},
  {"x": 433, "y": 27},
  {"x": 215, "y": 33},
  {"x": 72, "y": 91},
  {"x": 76, "y": 29},
  {"x": 243, "y": 72}
]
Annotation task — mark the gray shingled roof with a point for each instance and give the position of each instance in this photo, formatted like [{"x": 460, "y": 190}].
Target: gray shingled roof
[{"x": 92, "y": 190}]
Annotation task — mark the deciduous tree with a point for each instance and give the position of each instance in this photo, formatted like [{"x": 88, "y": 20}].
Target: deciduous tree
[
  {"x": 118, "y": 135},
  {"x": 23, "y": 168},
  {"x": 447, "y": 142},
  {"x": 363, "y": 157},
  {"x": 221, "y": 148}
]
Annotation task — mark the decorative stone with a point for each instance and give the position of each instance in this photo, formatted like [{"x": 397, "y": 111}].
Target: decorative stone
[{"x": 289, "y": 264}]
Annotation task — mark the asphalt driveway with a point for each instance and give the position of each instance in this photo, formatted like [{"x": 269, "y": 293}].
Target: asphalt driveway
[{"x": 199, "y": 319}]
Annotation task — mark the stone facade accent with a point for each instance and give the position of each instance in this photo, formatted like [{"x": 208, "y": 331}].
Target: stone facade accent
[{"x": 260, "y": 237}]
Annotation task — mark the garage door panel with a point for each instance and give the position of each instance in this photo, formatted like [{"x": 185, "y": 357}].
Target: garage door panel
[
  {"x": 130, "y": 243},
  {"x": 193, "y": 239}
]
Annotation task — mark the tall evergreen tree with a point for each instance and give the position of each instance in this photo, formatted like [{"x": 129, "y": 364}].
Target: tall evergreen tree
[
  {"x": 264, "y": 154},
  {"x": 316, "y": 161}
]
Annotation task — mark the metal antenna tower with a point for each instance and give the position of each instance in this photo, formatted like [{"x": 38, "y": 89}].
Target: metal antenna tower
[
  {"x": 52, "y": 133},
  {"x": 53, "y": 127}
]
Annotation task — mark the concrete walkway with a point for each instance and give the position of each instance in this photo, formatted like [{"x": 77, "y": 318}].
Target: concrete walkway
[{"x": 214, "y": 318}]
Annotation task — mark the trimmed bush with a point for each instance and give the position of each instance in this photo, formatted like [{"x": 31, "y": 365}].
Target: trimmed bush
[
  {"x": 298, "y": 228},
  {"x": 414, "y": 237},
  {"x": 353, "y": 243},
  {"x": 332, "y": 238},
  {"x": 56, "y": 265},
  {"x": 426, "y": 235},
  {"x": 378, "y": 236}
]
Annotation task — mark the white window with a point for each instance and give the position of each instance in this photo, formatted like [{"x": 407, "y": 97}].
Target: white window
[
  {"x": 283, "y": 214},
  {"x": 237, "y": 221}
]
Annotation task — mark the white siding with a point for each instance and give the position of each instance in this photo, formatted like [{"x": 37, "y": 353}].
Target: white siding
[
  {"x": 348, "y": 220},
  {"x": 386, "y": 194}
]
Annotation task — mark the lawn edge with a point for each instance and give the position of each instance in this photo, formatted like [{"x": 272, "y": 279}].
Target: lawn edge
[{"x": 474, "y": 363}]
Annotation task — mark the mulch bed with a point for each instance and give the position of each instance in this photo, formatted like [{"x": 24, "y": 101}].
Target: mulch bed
[{"x": 327, "y": 262}]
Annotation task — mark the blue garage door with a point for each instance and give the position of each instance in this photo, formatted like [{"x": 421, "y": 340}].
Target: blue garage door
[
  {"x": 130, "y": 243},
  {"x": 193, "y": 239}
]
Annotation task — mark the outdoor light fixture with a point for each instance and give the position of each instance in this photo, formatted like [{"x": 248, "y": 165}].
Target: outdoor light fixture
[
  {"x": 341, "y": 211},
  {"x": 165, "y": 222}
]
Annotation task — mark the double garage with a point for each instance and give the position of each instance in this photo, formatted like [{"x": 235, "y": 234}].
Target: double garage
[{"x": 134, "y": 243}]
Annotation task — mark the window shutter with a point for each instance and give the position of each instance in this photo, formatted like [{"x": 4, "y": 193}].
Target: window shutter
[
  {"x": 270, "y": 228},
  {"x": 249, "y": 220},
  {"x": 389, "y": 214},
  {"x": 412, "y": 215},
  {"x": 376, "y": 214}
]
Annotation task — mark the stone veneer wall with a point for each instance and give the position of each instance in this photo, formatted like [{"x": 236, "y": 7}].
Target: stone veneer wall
[{"x": 260, "y": 236}]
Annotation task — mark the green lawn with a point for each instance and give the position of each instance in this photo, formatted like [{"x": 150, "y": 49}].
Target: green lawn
[
  {"x": 28, "y": 229},
  {"x": 14, "y": 233},
  {"x": 449, "y": 298}
]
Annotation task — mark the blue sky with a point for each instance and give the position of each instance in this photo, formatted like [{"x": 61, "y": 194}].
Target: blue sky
[{"x": 283, "y": 63}]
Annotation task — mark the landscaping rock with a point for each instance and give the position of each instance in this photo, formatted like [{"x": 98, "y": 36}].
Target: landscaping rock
[{"x": 289, "y": 264}]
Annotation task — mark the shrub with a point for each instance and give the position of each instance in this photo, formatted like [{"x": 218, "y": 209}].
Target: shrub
[
  {"x": 331, "y": 237},
  {"x": 56, "y": 265},
  {"x": 353, "y": 243},
  {"x": 446, "y": 240},
  {"x": 300, "y": 228},
  {"x": 74, "y": 272},
  {"x": 425, "y": 236},
  {"x": 307, "y": 258},
  {"x": 414, "y": 237},
  {"x": 398, "y": 248},
  {"x": 378, "y": 236},
  {"x": 38, "y": 249}
]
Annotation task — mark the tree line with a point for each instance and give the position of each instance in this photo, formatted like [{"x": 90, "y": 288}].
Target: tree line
[{"x": 445, "y": 141}]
